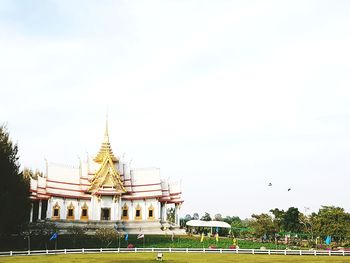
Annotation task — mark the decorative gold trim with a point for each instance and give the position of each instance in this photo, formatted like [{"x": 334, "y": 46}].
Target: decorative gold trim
[
  {"x": 70, "y": 208},
  {"x": 125, "y": 208},
  {"x": 84, "y": 208},
  {"x": 138, "y": 208},
  {"x": 151, "y": 208},
  {"x": 107, "y": 174},
  {"x": 56, "y": 206}
]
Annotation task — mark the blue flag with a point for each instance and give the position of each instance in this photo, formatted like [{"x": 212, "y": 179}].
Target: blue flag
[
  {"x": 328, "y": 240},
  {"x": 126, "y": 237},
  {"x": 54, "y": 236}
]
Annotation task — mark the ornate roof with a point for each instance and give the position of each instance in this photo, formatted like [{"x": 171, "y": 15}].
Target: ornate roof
[
  {"x": 107, "y": 177},
  {"x": 105, "y": 149}
]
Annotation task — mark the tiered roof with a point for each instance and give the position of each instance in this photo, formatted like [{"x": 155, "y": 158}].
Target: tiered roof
[{"x": 104, "y": 175}]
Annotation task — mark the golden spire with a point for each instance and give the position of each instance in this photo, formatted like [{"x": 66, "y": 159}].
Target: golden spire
[
  {"x": 107, "y": 174},
  {"x": 106, "y": 136},
  {"x": 105, "y": 149}
]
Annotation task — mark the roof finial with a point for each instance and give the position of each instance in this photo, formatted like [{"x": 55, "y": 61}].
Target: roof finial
[
  {"x": 106, "y": 137},
  {"x": 105, "y": 149}
]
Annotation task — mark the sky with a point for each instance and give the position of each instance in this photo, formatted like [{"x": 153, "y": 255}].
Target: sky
[{"x": 226, "y": 96}]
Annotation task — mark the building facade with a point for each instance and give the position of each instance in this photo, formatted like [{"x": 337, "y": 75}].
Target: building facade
[{"x": 103, "y": 189}]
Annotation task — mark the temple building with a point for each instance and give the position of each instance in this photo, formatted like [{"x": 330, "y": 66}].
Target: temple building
[{"x": 104, "y": 191}]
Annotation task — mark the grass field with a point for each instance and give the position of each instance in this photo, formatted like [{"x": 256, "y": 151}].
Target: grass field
[
  {"x": 88, "y": 241},
  {"x": 170, "y": 257}
]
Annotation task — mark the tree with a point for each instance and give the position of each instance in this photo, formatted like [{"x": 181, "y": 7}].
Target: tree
[
  {"x": 237, "y": 225},
  {"x": 263, "y": 225},
  {"x": 76, "y": 232},
  {"x": 170, "y": 215},
  {"x": 307, "y": 225},
  {"x": 188, "y": 217},
  {"x": 291, "y": 221},
  {"x": 218, "y": 217},
  {"x": 206, "y": 217},
  {"x": 14, "y": 188},
  {"x": 332, "y": 221},
  {"x": 278, "y": 218},
  {"x": 106, "y": 235}
]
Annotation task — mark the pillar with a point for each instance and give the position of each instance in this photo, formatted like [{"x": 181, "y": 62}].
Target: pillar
[
  {"x": 31, "y": 213},
  {"x": 163, "y": 208},
  {"x": 39, "y": 212},
  {"x": 119, "y": 208},
  {"x": 177, "y": 218},
  {"x": 159, "y": 212},
  {"x": 132, "y": 213},
  {"x": 49, "y": 208}
]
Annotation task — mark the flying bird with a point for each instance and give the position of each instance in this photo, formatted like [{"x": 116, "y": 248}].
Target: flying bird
[
  {"x": 289, "y": 189},
  {"x": 270, "y": 184}
]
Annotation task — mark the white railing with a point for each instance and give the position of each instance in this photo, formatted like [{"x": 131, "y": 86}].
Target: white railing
[{"x": 179, "y": 250}]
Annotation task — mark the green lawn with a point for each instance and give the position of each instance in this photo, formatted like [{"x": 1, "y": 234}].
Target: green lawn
[{"x": 170, "y": 257}]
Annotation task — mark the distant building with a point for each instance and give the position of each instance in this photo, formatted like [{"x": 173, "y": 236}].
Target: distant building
[{"x": 104, "y": 191}]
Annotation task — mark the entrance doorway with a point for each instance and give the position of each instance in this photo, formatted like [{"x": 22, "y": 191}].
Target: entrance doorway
[{"x": 105, "y": 213}]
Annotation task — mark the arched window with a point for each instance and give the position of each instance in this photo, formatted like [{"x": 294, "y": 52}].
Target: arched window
[
  {"x": 125, "y": 212},
  {"x": 70, "y": 212},
  {"x": 151, "y": 212},
  {"x": 84, "y": 212},
  {"x": 138, "y": 212},
  {"x": 56, "y": 212}
]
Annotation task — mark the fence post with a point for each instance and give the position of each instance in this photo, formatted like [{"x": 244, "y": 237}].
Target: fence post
[
  {"x": 269, "y": 252},
  {"x": 203, "y": 250},
  {"x": 152, "y": 249},
  {"x": 135, "y": 249},
  {"x": 315, "y": 253},
  {"x": 253, "y": 251},
  {"x": 65, "y": 251},
  {"x": 170, "y": 249},
  {"x": 343, "y": 253},
  {"x": 47, "y": 251},
  {"x": 118, "y": 249},
  {"x": 285, "y": 252},
  {"x": 236, "y": 250},
  {"x": 187, "y": 250},
  {"x": 300, "y": 252},
  {"x": 82, "y": 250},
  {"x": 11, "y": 253},
  {"x": 329, "y": 252},
  {"x": 220, "y": 250},
  {"x": 28, "y": 252}
]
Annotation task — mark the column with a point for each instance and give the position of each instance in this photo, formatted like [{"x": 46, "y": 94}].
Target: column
[
  {"x": 132, "y": 214},
  {"x": 39, "y": 212},
  {"x": 49, "y": 208},
  {"x": 159, "y": 211},
  {"x": 63, "y": 210},
  {"x": 77, "y": 211},
  {"x": 113, "y": 214},
  {"x": 177, "y": 219},
  {"x": 31, "y": 213},
  {"x": 119, "y": 215},
  {"x": 164, "y": 212}
]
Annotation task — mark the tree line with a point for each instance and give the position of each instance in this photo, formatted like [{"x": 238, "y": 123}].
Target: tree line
[{"x": 278, "y": 224}]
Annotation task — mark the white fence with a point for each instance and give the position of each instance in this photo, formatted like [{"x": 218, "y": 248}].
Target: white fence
[{"x": 178, "y": 250}]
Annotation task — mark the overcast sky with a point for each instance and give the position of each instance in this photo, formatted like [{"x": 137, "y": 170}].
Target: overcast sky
[{"x": 227, "y": 96}]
